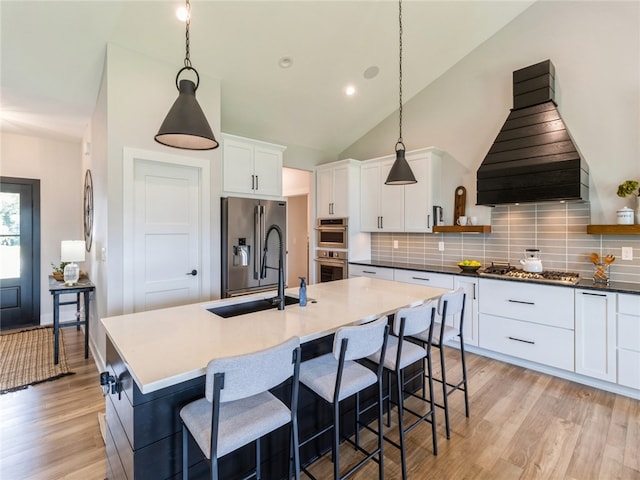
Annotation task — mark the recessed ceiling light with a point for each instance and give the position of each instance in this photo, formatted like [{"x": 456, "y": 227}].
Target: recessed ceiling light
[
  {"x": 182, "y": 13},
  {"x": 371, "y": 72},
  {"x": 285, "y": 62},
  {"x": 349, "y": 90}
]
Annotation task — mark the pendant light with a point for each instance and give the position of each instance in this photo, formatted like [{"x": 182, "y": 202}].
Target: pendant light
[
  {"x": 186, "y": 126},
  {"x": 400, "y": 173}
]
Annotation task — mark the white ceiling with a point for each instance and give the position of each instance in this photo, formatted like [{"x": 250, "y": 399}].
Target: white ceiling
[{"x": 53, "y": 55}]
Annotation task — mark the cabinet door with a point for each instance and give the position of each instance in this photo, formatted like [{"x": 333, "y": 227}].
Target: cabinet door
[
  {"x": 595, "y": 334},
  {"x": 371, "y": 272},
  {"x": 237, "y": 167},
  {"x": 267, "y": 169},
  {"x": 324, "y": 192},
  {"x": 418, "y": 203},
  {"x": 470, "y": 322},
  {"x": 369, "y": 197},
  {"x": 340, "y": 202},
  {"x": 391, "y": 205}
]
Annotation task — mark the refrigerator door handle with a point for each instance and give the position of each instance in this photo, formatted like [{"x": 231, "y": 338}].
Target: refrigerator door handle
[{"x": 256, "y": 242}]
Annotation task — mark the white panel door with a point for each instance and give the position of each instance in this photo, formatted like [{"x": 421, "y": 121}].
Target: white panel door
[
  {"x": 391, "y": 201},
  {"x": 341, "y": 191},
  {"x": 167, "y": 222},
  {"x": 268, "y": 171},
  {"x": 370, "y": 198},
  {"x": 238, "y": 167},
  {"x": 324, "y": 192}
]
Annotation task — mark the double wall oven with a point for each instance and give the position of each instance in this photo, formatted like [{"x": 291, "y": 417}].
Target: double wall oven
[{"x": 331, "y": 254}]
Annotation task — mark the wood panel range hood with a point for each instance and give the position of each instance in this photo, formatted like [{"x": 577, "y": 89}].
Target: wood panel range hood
[{"x": 533, "y": 158}]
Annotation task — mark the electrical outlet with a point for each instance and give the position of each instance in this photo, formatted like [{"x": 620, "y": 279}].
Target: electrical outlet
[
  {"x": 441, "y": 246},
  {"x": 395, "y": 244},
  {"x": 627, "y": 253}
]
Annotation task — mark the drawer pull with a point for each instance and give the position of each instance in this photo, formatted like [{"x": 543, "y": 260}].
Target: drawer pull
[
  {"x": 594, "y": 294},
  {"x": 520, "y": 340},
  {"x": 522, "y": 302},
  {"x": 367, "y": 271},
  {"x": 419, "y": 278}
]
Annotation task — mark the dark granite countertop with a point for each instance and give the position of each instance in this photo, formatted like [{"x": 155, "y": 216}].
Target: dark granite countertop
[{"x": 585, "y": 283}]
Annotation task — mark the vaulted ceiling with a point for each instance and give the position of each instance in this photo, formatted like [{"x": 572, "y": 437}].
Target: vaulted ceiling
[{"x": 53, "y": 55}]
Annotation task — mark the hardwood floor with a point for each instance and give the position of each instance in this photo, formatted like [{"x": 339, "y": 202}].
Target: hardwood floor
[
  {"x": 523, "y": 425},
  {"x": 51, "y": 431}
]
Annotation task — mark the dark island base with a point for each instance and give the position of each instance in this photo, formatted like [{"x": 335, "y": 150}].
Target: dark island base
[{"x": 144, "y": 440}]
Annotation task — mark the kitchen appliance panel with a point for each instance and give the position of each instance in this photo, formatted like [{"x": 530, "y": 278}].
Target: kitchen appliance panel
[
  {"x": 332, "y": 233},
  {"x": 331, "y": 266},
  {"x": 275, "y": 213},
  {"x": 244, "y": 223}
]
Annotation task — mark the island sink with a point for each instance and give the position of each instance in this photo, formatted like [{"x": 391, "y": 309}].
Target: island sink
[{"x": 233, "y": 310}]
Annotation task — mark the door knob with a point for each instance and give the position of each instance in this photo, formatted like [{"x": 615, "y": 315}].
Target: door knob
[{"x": 193, "y": 272}]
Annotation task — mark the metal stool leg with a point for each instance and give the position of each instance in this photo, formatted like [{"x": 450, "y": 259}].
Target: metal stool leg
[{"x": 444, "y": 391}]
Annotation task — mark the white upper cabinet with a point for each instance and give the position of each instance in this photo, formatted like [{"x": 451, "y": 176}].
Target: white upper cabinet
[
  {"x": 251, "y": 167},
  {"x": 333, "y": 183},
  {"x": 419, "y": 198},
  {"x": 408, "y": 208},
  {"x": 382, "y": 206}
]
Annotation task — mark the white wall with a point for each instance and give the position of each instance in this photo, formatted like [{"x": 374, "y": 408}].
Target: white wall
[
  {"x": 140, "y": 93},
  {"x": 595, "y": 47},
  {"x": 57, "y": 165}
]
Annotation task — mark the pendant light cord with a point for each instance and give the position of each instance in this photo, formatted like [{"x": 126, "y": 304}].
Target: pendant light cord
[
  {"x": 400, "y": 70},
  {"x": 187, "y": 60}
]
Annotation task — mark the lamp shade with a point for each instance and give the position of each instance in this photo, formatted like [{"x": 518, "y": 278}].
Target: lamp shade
[
  {"x": 186, "y": 126},
  {"x": 400, "y": 173},
  {"x": 72, "y": 251}
]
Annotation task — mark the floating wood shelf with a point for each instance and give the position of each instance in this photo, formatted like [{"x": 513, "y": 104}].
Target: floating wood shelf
[
  {"x": 465, "y": 229},
  {"x": 613, "y": 229}
]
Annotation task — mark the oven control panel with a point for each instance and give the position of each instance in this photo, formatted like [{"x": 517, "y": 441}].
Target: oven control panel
[{"x": 331, "y": 254}]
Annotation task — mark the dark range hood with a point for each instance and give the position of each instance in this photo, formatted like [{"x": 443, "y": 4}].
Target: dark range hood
[{"x": 533, "y": 158}]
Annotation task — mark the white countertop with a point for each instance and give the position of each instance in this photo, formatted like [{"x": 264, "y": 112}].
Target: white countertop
[{"x": 165, "y": 347}]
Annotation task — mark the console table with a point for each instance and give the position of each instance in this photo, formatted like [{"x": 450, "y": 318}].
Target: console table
[{"x": 85, "y": 287}]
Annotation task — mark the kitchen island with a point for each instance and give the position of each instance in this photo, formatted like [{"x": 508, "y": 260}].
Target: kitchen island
[{"x": 158, "y": 359}]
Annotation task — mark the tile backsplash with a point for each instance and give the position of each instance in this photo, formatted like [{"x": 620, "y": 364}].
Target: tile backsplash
[{"x": 558, "y": 230}]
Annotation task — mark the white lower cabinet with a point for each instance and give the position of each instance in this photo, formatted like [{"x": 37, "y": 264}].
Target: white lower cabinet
[
  {"x": 428, "y": 279},
  {"x": 530, "y": 341},
  {"x": 371, "y": 272},
  {"x": 470, "y": 322},
  {"x": 529, "y": 321},
  {"x": 629, "y": 340},
  {"x": 596, "y": 334}
]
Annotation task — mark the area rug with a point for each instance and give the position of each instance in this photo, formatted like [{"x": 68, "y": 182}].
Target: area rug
[{"x": 26, "y": 358}]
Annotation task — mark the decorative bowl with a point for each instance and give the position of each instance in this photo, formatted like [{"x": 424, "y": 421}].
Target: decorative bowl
[{"x": 469, "y": 268}]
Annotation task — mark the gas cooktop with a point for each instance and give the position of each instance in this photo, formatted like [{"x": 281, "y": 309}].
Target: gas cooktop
[{"x": 505, "y": 270}]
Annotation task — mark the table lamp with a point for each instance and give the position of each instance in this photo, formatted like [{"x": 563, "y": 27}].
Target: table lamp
[{"x": 72, "y": 251}]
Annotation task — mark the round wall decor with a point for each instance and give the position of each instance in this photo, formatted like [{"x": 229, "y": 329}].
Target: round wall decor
[{"x": 88, "y": 210}]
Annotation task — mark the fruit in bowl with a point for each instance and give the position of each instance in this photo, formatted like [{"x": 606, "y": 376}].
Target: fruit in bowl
[{"x": 469, "y": 265}]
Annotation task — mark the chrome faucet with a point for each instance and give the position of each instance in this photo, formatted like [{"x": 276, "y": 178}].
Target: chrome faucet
[{"x": 263, "y": 269}]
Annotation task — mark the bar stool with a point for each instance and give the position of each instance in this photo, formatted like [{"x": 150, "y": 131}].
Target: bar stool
[
  {"x": 400, "y": 354},
  {"x": 336, "y": 376},
  {"x": 449, "y": 304},
  {"x": 239, "y": 409}
]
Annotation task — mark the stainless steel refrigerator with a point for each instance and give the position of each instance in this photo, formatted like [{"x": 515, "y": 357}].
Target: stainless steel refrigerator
[{"x": 245, "y": 222}]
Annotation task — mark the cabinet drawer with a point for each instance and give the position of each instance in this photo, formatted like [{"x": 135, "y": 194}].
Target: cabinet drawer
[
  {"x": 629, "y": 368},
  {"x": 629, "y": 304},
  {"x": 543, "y": 304},
  {"x": 538, "y": 343},
  {"x": 430, "y": 279},
  {"x": 372, "y": 272},
  {"x": 629, "y": 332}
]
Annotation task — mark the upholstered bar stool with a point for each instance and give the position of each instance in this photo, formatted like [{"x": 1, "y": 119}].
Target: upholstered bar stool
[
  {"x": 449, "y": 304},
  {"x": 239, "y": 409},
  {"x": 400, "y": 354},
  {"x": 336, "y": 376}
]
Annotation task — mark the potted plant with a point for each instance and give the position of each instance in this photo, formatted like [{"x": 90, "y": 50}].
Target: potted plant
[
  {"x": 58, "y": 270},
  {"x": 630, "y": 187}
]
